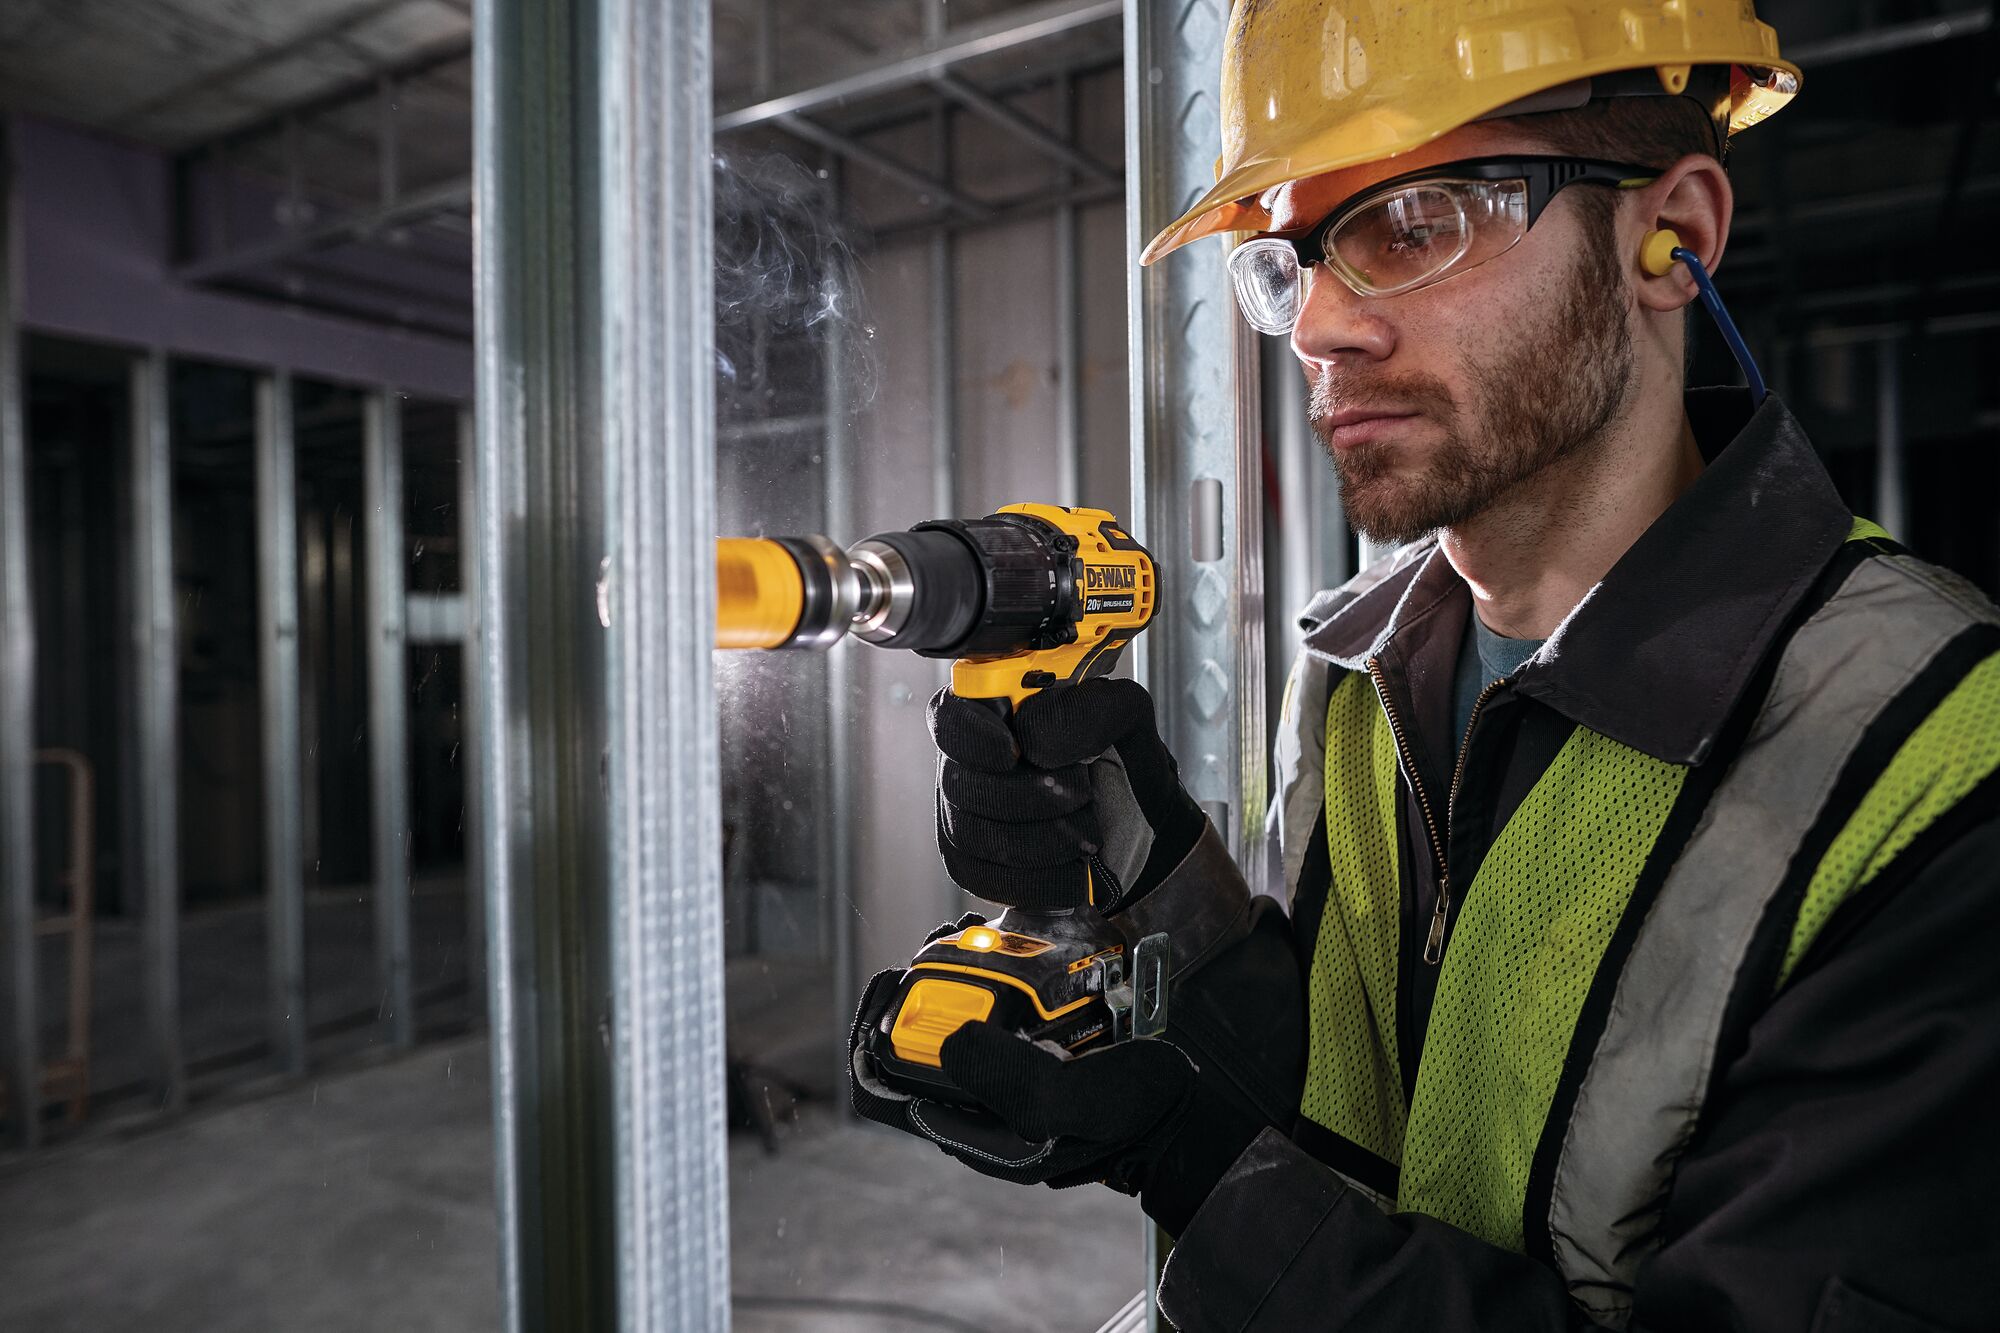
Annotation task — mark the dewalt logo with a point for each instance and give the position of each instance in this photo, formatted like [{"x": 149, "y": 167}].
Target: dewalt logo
[{"x": 1107, "y": 578}]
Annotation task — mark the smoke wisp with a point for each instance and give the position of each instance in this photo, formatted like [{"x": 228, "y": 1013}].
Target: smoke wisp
[{"x": 787, "y": 284}]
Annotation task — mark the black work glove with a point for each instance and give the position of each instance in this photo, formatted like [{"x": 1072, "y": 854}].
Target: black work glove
[
  {"x": 1074, "y": 793},
  {"x": 1140, "y": 1116},
  {"x": 1159, "y": 1117}
]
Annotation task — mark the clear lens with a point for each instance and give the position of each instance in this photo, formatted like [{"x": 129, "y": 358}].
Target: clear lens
[
  {"x": 1421, "y": 233},
  {"x": 1395, "y": 242},
  {"x": 1269, "y": 286},
  {"x": 1404, "y": 239}
]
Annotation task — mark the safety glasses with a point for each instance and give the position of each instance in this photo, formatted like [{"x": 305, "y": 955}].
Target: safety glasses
[{"x": 1412, "y": 231}]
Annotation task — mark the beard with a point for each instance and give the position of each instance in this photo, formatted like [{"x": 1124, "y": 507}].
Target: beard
[{"x": 1548, "y": 398}]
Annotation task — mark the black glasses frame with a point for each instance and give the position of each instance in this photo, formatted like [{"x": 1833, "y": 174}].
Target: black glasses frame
[{"x": 1546, "y": 177}]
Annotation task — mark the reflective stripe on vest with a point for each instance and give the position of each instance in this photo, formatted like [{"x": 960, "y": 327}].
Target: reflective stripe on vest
[
  {"x": 1852, "y": 691},
  {"x": 1567, "y": 1059}
]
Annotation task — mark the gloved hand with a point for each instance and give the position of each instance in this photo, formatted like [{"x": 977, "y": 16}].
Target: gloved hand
[
  {"x": 1160, "y": 1117},
  {"x": 1074, "y": 794},
  {"x": 1141, "y": 1116}
]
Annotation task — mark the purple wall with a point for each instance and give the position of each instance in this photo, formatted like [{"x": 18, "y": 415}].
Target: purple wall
[{"x": 96, "y": 247}]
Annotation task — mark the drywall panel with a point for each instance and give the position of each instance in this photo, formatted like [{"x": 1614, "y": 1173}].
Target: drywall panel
[
  {"x": 1105, "y": 415},
  {"x": 1006, "y": 372},
  {"x": 900, "y": 889}
]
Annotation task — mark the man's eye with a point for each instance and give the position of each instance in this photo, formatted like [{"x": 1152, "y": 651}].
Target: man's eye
[{"x": 1411, "y": 242}]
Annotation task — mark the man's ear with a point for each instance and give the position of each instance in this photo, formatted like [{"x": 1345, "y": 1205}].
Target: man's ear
[{"x": 1694, "y": 200}]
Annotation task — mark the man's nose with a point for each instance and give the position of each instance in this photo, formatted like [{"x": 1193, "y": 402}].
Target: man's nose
[{"x": 1336, "y": 326}]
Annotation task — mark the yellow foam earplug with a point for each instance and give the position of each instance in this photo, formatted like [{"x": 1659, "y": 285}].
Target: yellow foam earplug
[{"x": 1656, "y": 252}]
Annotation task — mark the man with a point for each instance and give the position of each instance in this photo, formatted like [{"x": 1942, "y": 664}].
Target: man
[{"x": 1638, "y": 827}]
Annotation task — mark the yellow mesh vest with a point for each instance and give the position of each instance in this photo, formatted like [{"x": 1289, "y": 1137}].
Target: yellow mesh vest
[
  {"x": 1353, "y": 1084},
  {"x": 1524, "y": 949},
  {"x": 1534, "y": 928},
  {"x": 1531, "y": 933}
]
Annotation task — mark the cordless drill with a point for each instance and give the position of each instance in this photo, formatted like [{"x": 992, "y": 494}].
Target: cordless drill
[{"x": 1031, "y": 598}]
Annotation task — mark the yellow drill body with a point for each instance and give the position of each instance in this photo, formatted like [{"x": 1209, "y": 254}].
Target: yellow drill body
[
  {"x": 1115, "y": 595},
  {"x": 1032, "y": 597}
]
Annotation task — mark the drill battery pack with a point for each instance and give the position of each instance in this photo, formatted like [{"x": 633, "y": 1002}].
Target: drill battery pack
[{"x": 1069, "y": 979}]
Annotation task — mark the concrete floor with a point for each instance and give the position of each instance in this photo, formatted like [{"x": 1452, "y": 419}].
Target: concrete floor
[
  {"x": 363, "y": 1200},
  {"x": 224, "y": 995}
]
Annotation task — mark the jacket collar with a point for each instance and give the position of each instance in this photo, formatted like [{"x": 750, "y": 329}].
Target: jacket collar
[{"x": 1658, "y": 653}]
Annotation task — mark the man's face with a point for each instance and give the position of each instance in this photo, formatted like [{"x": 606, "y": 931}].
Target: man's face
[{"x": 1436, "y": 403}]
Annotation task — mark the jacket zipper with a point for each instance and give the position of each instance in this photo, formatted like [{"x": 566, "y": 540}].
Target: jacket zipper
[
  {"x": 1464, "y": 743},
  {"x": 1441, "y": 914},
  {"x": 1434, "y": 940}
]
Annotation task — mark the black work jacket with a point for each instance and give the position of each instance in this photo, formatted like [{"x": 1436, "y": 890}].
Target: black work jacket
[{"x": 1842, "y": 1174}]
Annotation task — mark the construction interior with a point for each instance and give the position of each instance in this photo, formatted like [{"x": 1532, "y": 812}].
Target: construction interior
[{"x": 283, "y": 764}]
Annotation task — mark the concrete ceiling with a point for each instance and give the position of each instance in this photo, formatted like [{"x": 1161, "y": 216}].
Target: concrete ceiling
[
  {"x": 286, "y": 102},
  {"x": 184, "y": 73},
  {"x": 181, "y": 72},
  {"x": 177, "y": 72}
]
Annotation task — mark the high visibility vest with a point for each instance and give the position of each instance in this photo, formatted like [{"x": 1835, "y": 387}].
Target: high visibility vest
[{"x": 1629, "y": 917}]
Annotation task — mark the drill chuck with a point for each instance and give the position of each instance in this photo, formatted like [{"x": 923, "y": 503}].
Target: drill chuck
[
  {"x": 969, "y": 587},
  {"x": 922, "y": 590}
]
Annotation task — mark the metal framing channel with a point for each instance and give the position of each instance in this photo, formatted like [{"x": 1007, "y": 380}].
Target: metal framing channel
[
  {"x": 821, "y": 137},
  {"x": 1253, "y": 730},
  {"x": 944, "y": 406},
  {"x": 1069, "y": 335},
  {"x": 656, "y": 110},
  {"x": 837, "y": 803},
  {"x": 388, "y": 706},
  {"x": 283, "y": 748},
  {"x": 1060, "y": 146},
  {"x": 472, "y": 753},
  {"x": 1196, "y": 486},
  {"x": 156, "y": 677},
  {"x": 540, "y": 668},
  {"x": 941, "y": 49},
  {"x": 944, "y": 344},
  {"x": 19, "y": 1033},
  {"x": 600, "y": 808}
]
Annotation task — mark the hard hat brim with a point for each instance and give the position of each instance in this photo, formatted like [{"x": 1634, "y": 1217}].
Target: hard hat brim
[{"x": 1232, "y": 204}]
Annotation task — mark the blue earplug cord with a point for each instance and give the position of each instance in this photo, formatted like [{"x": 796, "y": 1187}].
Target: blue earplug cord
[{"x": 1713, "y": 300}]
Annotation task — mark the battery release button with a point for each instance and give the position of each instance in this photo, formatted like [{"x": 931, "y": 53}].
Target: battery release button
[{"x": 933, "y": 1010}]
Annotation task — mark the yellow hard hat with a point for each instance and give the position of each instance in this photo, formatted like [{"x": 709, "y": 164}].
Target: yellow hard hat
[{"x": 1310, "y": 86}]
